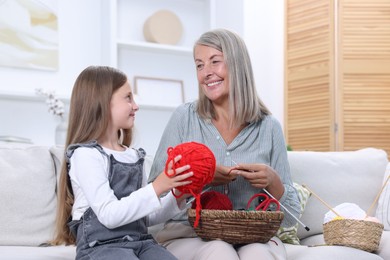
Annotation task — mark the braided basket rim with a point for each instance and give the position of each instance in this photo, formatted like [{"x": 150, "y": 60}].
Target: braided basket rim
[
  {"x": 237, "y": 226},
  {"x": 360, "y": 234}
]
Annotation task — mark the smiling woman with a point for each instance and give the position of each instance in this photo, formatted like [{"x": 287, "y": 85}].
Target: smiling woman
[
  {"x": 229, "y": 118},
  {"x": 28, "y": 34}
]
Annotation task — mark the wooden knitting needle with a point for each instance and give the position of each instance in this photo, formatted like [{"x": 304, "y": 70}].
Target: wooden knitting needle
[
  {"x": 326, "y": 204},
  {"x": 377, "y": 196}
]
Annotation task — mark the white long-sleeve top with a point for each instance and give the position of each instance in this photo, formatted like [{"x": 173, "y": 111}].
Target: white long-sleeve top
[{"x": 89, "y": 178}]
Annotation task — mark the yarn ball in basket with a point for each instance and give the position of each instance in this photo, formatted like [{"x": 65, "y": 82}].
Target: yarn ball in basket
[
  {"x": 214, "y": 200},
  {"x": 202, "y": 163}
]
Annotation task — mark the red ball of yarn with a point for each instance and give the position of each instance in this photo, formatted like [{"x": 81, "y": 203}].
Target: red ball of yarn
[
  {"x": 201, "y": 160},
  {"x": 202, "y": 163},
  {"x": 214, "y": 200}
]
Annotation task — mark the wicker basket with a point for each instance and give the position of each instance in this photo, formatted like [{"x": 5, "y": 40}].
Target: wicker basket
[
  {"x": 236, "y": 226},
  {"x": 360, "y": 234}
]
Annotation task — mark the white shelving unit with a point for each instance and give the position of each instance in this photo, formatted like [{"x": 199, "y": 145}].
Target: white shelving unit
[
  {"x": 130, "y": 52},
  {"x": 125, "y": 48}
]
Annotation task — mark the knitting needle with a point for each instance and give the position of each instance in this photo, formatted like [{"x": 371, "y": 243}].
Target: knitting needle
[
  {"x": 377, "y": 196},
  {"x": 292, "y": 215},
  {"x": 192, "y": 199},
  {"x": 326, "y": 204}
]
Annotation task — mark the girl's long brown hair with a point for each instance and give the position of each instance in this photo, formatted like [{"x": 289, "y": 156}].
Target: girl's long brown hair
[{"x": 89, "y": 115}]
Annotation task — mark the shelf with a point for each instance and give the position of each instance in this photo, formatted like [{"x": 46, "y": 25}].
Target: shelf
[
  {"x": 154, "y": 47},
  {"x": 129, "y": 17},
  {"x": 129, "y": 51},
  {"x": 26, "y": 96},
  {"x": 17, "y": 96}
]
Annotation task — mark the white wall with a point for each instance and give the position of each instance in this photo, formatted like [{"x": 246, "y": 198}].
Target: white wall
[
  {"x": 79, "y": 46},
  {"x": 24, "y": 114},
  {"x": 263, "y": 33}
]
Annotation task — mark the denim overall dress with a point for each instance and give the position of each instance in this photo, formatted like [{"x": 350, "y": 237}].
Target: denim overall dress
[{"x": 130, "y": 241}]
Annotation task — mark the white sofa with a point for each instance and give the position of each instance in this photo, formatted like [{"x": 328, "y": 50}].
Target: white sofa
[{"x": 28, "y": 200}]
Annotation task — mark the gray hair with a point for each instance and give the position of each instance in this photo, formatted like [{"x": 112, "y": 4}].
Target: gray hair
[{"x": 244, "y": 102}]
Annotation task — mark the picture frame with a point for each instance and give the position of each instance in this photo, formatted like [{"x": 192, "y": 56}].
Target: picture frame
[{"x": 158, "y": 91}]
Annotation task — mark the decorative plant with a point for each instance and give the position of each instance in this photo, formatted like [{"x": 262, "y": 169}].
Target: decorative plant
[{"x": 56, "y": 106}]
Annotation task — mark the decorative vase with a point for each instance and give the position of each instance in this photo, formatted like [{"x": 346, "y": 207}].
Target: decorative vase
[{"x": 61, "y": 130}]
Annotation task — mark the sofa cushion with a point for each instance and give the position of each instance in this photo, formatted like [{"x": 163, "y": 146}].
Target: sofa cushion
[
  {"x": 27, "y": 192},
  {"x": 314, "y": 248},
  {"x": 289, "y": 234},
  {"x": 384, "y": 248},
  {"x": 38, "y": 253},
  {"x": 337, "y": 177},
  {"x": 383, "y": 210}
]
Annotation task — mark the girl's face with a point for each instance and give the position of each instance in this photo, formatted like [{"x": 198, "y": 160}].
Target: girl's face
[
  {"x": 123, "y": 108},
  {"x": 212, "y": 73}
]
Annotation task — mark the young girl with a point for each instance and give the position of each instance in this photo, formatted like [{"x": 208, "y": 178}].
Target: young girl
[{"x": 105, "y": 203}]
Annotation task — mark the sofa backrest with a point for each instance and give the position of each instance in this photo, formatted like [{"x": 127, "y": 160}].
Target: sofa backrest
[{"x": 337, "y": 177}]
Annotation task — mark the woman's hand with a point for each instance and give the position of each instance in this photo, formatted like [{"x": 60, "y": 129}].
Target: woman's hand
[
  {"x": 163, "y": 183},
  {"x": 223, "y": 175},
  {"x": 261, "y": 176}
]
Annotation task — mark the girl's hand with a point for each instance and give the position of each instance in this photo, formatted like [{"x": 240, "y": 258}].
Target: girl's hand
[
  {"x": 163, "y": 183},
  {"x": 223, "y": 175}
]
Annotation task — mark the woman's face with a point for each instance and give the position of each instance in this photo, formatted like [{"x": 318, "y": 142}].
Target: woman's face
[
  {"x": 212, "y": 73},
  {"x": 123, "y": 108}
]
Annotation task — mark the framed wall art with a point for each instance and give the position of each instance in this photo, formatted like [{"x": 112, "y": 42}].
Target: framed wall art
[
  {"x": 29, "y": 34},
  {"x": 158, "y": 91}
]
